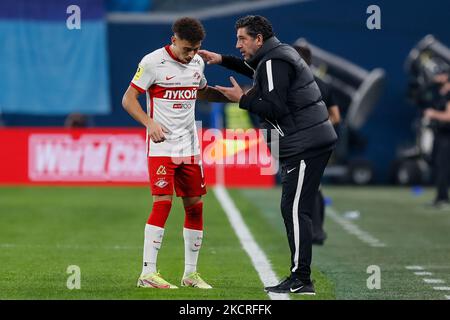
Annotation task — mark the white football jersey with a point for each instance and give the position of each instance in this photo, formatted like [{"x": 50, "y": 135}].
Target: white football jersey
[{"x": 171, "y": 88}]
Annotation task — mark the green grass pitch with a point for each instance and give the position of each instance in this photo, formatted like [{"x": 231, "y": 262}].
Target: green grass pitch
[{"x": 43, "y": 230}]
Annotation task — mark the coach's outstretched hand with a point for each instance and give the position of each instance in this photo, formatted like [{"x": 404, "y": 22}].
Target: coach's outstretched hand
[
  {"x": 234, "y": 93},
  {"x": 210, "y": 57}
]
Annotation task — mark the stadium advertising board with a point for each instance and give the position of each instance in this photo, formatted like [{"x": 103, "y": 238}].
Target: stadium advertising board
[{"x": 117, "y": 156}]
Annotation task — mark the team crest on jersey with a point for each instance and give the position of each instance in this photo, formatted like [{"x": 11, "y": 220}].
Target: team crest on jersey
[
  {"x": 138, "y": 73},
  {"x": 161, "y": 183},
  {"x": 197, "y": 76},
  {"x": 161, "y": 170}
]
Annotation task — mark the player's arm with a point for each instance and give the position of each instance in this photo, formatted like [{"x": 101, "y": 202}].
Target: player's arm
[
  {"x": 334, "y": 114},
  {"x": 328, "y": 97},
  {"x": 212, "y": 95},
  {"x": 131, "y": 104},
  {"x": 439, "y": 115}
]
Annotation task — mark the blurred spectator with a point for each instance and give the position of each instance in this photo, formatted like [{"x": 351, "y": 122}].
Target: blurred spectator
[
  {"x": 76, "y": 120},
  {"x": 129, "y": 6},
  {"x": 439, "y": 114},
  {"x": 318, "y": 214},
  {"x": 327, "y": 95}
]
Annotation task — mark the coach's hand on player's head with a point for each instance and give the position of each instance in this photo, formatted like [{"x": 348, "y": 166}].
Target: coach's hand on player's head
[
  {"x": 156, "y": 132},
  {"x": 210, "y": 57},
  {"x": 234, "y": 93}
]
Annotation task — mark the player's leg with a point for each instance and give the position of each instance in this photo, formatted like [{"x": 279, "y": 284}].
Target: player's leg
[
  {"x": 161, "y": 171},
  {"x": 317, "y": 217},
  {"x": 442, "y": 169},
  {"x": 154, "y": 232},
  {"x": 189, "y": 184}
]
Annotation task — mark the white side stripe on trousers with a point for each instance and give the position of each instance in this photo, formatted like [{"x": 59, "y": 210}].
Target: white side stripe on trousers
[{"x": 295, "y": 207}]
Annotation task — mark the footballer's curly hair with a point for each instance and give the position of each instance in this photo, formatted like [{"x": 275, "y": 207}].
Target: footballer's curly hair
[
  {"x": 256, "y": 25},
  {"x": 189, "y": 29}
]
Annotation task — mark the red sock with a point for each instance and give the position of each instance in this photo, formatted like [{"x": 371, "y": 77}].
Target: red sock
[
  {"x": 160, "y": 212},
  {"x": 194, "y": 217}
]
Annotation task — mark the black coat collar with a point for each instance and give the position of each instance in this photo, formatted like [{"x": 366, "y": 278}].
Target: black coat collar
[{"x": 268, "y": 45}]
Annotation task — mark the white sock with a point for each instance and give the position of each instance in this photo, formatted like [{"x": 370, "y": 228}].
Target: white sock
[
  {"x": 192, "y": 245},
  {"x": 152, "y": 244}
]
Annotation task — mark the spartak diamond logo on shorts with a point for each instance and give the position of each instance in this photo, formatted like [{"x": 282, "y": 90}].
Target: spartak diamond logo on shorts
[
  {"x": 161, "y": 183},
  {"x": 161, "y": 170}
]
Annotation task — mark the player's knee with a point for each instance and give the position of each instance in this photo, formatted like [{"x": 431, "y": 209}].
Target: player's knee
[
  {"x": 191, "y": 201},
  {"x": 194, "y": 216},
  {"x": 160, "y": 213}
]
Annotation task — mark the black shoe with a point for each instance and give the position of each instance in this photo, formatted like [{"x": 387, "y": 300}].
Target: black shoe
[
  {"x": 439, "y": 204},
  {"x": 319, "y": 239},
  {"x": 292, "y": 285}
]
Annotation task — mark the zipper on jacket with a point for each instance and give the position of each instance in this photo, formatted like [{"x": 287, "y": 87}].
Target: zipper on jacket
[
  {"x": 245, "y": 62},
  {"x": 276, "y": 127}
]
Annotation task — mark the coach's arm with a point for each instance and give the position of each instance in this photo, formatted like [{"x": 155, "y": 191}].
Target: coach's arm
[
  {"x": 226, "y": 61},
  {"x": 268, "y": 97}
]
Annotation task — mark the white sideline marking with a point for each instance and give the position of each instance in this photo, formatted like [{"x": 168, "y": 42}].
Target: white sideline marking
[
  {"x": 259, "y": 259},
  {"x": 433, "y": 280},
  {"x": 423, "y": 273},
  {"x": 428, "y": 280},
  {"x": 442, "y": 288},
  {"x": 414, "y": 267},
  {"x": 352, "y": 228}
]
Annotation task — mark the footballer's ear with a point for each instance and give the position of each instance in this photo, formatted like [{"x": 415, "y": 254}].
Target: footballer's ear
[{"x": 173, "y": 39}]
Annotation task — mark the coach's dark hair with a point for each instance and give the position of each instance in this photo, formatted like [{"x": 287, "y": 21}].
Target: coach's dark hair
[
  {"x": 256, "y": 25},
  {"x": 189, "y": 29},
  {"x": 305, "y": 52}
]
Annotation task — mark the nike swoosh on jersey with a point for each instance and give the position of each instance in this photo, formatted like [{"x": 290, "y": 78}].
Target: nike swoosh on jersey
[
  {"x": 291, "y": 170},
  {"x": 168, "y": 78}
]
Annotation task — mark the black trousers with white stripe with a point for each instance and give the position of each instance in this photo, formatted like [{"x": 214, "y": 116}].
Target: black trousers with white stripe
[{"x": 300, "y": 182}]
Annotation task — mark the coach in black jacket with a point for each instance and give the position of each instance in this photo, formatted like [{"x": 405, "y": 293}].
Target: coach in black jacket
[{"x": 287, "y": 99}]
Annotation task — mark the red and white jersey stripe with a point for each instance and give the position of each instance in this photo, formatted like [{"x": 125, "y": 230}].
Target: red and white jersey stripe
[{"x": 171, "y": 88}]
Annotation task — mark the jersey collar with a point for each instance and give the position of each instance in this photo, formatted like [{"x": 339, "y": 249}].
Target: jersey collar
[{"x": 167, "y": 47}]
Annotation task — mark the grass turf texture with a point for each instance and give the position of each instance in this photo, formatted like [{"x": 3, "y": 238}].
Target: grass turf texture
[
  {"x": 413, "y": 234},
  {"x": 43, "y": 230}
]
